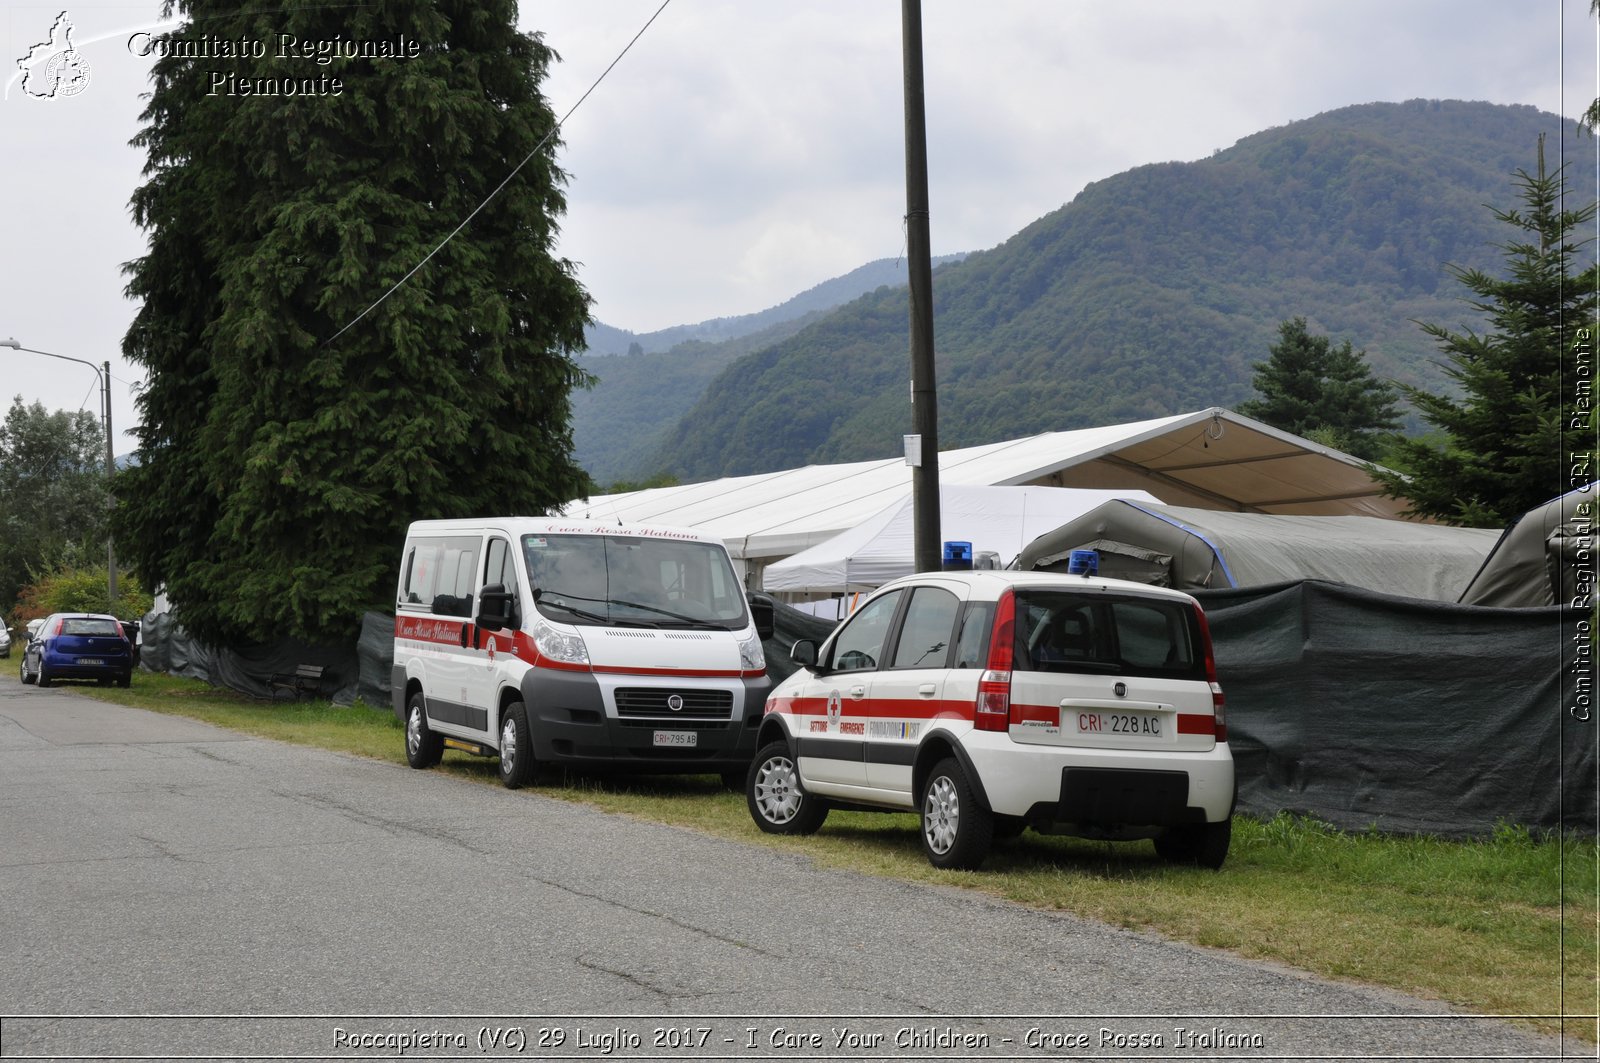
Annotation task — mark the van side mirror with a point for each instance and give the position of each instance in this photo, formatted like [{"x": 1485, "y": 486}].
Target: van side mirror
[
  {"x": 804, "y": 653},
  {"x": 494, "y": 607},
  {"x": 761, "y": 613}
]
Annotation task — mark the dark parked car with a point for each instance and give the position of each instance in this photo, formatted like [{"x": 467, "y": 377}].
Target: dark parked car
[{"x": 78, "y": 646}]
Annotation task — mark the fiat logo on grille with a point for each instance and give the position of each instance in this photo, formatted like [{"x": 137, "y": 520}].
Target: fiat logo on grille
[{"x": 675, "y": 702}]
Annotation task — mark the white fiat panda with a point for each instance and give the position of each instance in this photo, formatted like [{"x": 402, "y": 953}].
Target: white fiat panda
[{"x": 994, "y": 701}]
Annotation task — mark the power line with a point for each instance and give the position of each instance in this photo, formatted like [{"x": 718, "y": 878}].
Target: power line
[{"x": 536, "y": 149}]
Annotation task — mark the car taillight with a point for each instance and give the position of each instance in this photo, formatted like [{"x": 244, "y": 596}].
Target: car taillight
[
  {"x": 993, "y": 709},
  {"x": 59, "y": 625},
  {"x": 1217, "y": 698}
]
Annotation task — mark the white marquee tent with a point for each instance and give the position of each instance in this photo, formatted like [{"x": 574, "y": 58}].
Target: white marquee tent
[
  {"x": 1212, "y": 458},
  {"x": 1001, "y": 520}
]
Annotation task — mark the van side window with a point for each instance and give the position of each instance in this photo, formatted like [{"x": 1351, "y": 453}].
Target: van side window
[
  {"x": 439, "y": 574},
  {"x": 925, "y": 635},
  {"x": 499, "y": 568}
]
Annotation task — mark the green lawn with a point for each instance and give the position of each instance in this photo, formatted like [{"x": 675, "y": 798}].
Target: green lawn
[{"x": 1505, "y": 926}]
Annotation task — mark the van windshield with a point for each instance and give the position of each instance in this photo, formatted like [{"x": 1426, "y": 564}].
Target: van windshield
[{"x": 634, "y": 581}]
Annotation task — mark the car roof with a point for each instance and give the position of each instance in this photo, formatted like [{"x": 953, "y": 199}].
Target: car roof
[{"x": 991, "y": 583}]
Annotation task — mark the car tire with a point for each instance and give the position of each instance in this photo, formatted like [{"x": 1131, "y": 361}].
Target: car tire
[
  {"x": 424, "y": 747},
  {"x": 27, "y": 680},
  {"x": 777, "y": 799},
  {"x": 125, "y": 680},
  {"x": 42, "y": 677},
  {"x": 516, "y": 748},
  {"x": 957, "y": 830},
  {"x": 1200, "y": 844}
]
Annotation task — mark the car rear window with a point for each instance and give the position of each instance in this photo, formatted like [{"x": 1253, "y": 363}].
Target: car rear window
[
  {"x": 80, "y": 626},
  {"x": 1067, "y": 631}
]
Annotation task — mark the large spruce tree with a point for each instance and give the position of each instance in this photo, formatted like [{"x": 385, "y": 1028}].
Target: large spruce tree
[
  {"x": 1312, "y": 388},
  {"x": 1502, "y": 444},
  {"x": 281, "y": 459}
]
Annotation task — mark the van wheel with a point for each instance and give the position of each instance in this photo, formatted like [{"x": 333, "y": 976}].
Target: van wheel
[
  {"x": 1201, "y": 844},
  {"x": 424, "y": 748},
  {"x": 956, "y": 830},
  {"x": 778, "y": 803},
  {"x": 516, "y": 748}
]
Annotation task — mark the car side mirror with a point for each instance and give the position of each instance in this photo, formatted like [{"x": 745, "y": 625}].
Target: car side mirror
[
  {"x": 804, "y": 653},
  {"x": 761, "y": 610},
  {"x": 494, "y": 607}
]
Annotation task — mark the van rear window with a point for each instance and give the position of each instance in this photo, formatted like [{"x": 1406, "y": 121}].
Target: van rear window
[{"x": 1068, "y": 631}]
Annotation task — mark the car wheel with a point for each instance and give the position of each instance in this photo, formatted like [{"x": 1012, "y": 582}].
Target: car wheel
[
  {"x": 956, "y": 830},
  {"x": 1201, "y": 844},
  {"x": 125, "y": 680},
  {"x": 26, "y": 678},
  {"x": 516, "y": 748},
  {"x": 424, "y": 748},
  {"x": 778, "y": 801},
  {"x": 42, "y": 677}
]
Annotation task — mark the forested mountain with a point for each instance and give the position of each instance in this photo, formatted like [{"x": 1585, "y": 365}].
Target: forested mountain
[
  {"x": 1152, "y": 292},
  {"x": 646, "y": 380}
]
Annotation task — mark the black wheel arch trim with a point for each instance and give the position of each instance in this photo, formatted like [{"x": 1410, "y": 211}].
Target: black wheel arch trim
[{"x": 927, "y": 757}]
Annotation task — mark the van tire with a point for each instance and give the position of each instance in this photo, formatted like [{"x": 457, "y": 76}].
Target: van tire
[
  {"x": 516, "y": 748},
  {"x": 957, "y": 831},
  {"x": 424, "y": 747},
  {"x": 1200, "y": 844},
  {"x": 778, "y": 802}
]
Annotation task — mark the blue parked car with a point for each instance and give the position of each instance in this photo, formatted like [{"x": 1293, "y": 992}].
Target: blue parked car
[{"x": 79, "y": 646}]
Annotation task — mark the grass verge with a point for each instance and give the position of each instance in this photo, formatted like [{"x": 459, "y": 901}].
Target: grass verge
[{"x": 1506, "y": 925}]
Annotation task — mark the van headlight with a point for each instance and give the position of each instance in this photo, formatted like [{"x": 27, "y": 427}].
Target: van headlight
[
  {"x": 558, "y": 645},
  {"x": 751, "y": 659}
]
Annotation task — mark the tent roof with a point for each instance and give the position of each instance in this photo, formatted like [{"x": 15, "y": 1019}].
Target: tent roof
[
  {"x": 1211, "y": 548},
  {"x": 998, "y": 519},
  {"x": 1517, "y": 573},
  {"x": 1212, "y": 458}
]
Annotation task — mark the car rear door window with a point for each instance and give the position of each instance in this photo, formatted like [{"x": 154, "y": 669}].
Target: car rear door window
[{"x": 1065, "y": 631}]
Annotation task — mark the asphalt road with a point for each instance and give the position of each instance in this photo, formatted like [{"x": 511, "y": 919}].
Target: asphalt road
[{"x": 171, "y": 889}]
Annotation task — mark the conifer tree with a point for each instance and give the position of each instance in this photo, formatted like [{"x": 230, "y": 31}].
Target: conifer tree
[
  {"x": 280, "y": 458},
  {"x": 1313, "y": 389},
  {"x": 1506, "y": 437}
]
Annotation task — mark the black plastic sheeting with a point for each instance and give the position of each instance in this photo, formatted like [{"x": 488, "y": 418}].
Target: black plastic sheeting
[{"x": 1367, "y": 710}]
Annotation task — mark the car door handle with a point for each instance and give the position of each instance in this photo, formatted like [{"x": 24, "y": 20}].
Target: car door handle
[
  {"x": 857, "y": 693},
  {"x": 927, "y": 690}
]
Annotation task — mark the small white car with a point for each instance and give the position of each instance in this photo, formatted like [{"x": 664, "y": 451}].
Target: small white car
[{"x": 994, "y": 701}]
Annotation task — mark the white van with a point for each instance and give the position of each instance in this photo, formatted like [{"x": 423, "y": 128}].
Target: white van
[{"x": 580, "y": 643}]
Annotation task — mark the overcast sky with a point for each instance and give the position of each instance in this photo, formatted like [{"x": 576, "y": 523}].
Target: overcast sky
[{"x": 744, "y": 151}]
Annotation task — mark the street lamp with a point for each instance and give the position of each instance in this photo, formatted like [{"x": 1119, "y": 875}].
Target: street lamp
[{"x": 104, "y": 373}]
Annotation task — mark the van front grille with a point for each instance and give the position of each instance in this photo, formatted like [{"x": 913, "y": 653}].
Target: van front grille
[{"x": 696, "y": 704}]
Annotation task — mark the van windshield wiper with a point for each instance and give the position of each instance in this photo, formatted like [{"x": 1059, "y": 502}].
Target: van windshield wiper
[{"x": 656, "y": 609}]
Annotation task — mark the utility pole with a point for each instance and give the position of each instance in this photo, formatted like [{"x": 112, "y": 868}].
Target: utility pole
[{"x": 919, "y": 258}]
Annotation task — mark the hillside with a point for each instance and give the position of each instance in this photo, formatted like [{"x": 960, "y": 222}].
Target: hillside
[
  {"x": 1151, "y": 293},
  {"x": 618, "y": 425}
]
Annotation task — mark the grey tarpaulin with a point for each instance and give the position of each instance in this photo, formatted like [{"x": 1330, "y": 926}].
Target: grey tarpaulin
[
  {"x": 168, "y": 648},
  {"x": 1211, "y": 549},
  {"x": 1542, "y": 558},
  {"x": 1365, "y": 709}
]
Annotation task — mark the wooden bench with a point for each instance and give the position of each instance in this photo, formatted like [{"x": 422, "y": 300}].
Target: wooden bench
[{"x": 307, "y": 679}]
